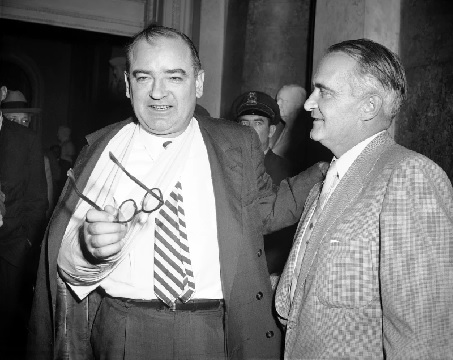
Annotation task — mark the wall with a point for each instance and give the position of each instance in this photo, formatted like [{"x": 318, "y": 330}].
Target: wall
[
  {"x": 276, "y": 44},
  {"x": 338, "y": 20},
  {"x": 233, "y": 59},
  {"x": 212, "y": 34},
  {"x": 426, "y": 121},
  {"x": 119, "y": 17}
]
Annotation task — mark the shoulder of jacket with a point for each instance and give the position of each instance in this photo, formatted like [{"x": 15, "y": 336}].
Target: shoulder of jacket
[
  {"x": 93, "y": 137},
  {"x": 230, "y": 129}
]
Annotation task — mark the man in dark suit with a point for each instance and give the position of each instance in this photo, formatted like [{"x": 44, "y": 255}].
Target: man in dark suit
[
  {"x": 261, "y": 112},
  {"x": 182, "y": 275},
  {"x": 370, "y": 272},
  {"x": 23, "y": 183}
]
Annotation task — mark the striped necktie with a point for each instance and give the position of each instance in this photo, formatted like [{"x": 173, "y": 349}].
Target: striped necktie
[{"x": 173, "y": 275}]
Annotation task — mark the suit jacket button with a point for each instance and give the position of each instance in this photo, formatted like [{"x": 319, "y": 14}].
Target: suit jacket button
[
  {"x": 259, "y": 296},
  {"x": 270, "y": 334},
  {"x": 260, "y": 252}
]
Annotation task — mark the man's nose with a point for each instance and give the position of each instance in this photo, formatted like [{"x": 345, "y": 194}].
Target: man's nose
[
  {"x": 311, "y": 103},
  {"x": 158, "y": 90}
]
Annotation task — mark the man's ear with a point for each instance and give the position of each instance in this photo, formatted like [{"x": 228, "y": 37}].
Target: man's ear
[
  {"x": 126, "y": 80},
  {"x": 199, "y": 84},
  {"x": 371, "y": 106},
  {"x": 272, "y": 129}
]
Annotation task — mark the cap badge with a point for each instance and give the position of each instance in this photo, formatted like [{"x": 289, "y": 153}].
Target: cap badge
[{"x": 252, "y": 98}]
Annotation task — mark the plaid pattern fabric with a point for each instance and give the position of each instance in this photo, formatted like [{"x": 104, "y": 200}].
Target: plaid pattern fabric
[
  {"x": 377, "y": 277},
  {"x": 283, "y": 293}
]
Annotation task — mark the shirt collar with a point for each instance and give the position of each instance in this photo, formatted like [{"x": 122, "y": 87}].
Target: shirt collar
[
  {"x": 154, "y": 144},
  {"x": 345, "y": 161}
]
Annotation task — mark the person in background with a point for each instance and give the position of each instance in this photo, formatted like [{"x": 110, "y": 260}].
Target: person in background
[
  {"x": 15, "y": 108},
  {"x": 23, "y": 183},
  {"x": 182, "y": 274},
  {"x": 67, "y": 153},
  {"x": 67, "y": 148},
  {"x": 23, "y": 116},
  {"x": 288, "y": 140},
  {"x": 259, "y": 111},
  {"x": 370, "y": 273}
]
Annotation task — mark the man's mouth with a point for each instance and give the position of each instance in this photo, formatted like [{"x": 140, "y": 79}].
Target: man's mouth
[{"x": 160, "y": 107}]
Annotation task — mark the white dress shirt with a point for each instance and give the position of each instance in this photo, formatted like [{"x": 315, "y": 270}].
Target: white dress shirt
[{"x": 133, "y": 278}]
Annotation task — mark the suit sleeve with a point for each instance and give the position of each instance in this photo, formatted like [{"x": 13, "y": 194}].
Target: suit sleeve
[
  {"x": 35, "y": 203},
  {"x": 416, "y": 272},
  {"x": 282, "y": 206},
  {"x": 286, "y": 205}
]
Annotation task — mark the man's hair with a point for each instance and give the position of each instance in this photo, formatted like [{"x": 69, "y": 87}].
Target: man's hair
[
  {"x": 153, "y": 32},
  {"x": 377, "y": 69}
]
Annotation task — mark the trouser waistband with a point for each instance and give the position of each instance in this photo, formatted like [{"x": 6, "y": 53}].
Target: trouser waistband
[{"x": 191, "y": 305}]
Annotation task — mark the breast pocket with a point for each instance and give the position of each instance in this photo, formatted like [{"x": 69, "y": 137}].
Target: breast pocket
[{"x": 345, "y": 275}]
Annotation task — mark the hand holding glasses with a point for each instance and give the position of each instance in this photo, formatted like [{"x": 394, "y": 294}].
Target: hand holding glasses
[{"x": 128, "y": 209}]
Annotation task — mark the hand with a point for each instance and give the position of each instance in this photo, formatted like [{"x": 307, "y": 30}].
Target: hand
[
  {"x": 323, "y": 167},
  {"x": 103, "y": 237}
]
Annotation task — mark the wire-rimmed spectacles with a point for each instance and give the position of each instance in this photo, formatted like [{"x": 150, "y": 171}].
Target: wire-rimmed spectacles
[{"x": 128, "y": 209}]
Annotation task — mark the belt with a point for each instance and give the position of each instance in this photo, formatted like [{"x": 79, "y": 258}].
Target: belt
[{"x": 191, "y": 305}]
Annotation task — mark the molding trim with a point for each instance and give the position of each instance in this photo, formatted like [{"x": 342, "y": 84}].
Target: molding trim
[{"x": 117, "y": 17}]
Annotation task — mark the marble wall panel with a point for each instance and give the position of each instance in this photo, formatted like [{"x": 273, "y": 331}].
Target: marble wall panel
[
  {"x": 276, "y": 44},
  {"x": 425, "y": 123}
]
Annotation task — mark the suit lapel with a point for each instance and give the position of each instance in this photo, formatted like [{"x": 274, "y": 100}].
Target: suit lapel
[
  {"x": 283, "y": 293},
  {"x": 344, "y": 195},
  {"x": 226, "y": 171},
  {"x": 83, "y": 168}
]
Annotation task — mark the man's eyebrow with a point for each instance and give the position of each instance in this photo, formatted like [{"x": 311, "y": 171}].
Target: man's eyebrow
[
  {"x": 322, "y": 86},
  {"x": 169, "y": 71},
  {"x": 135, "y": 72},
  {"x": 176, "y": 71}
]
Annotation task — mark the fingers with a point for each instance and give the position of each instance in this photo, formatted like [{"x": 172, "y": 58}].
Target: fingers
[
  {"x": 103, "y": 238},
  {"x": 323, "y": 167},
  {"x": 108, "y": 215}
]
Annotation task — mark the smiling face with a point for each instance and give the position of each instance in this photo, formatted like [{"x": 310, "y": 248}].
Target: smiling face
[
  {"x": 334, "y": 108},
  {"x": 261, "y": 125},
  {"x": 163, "y": 86}
]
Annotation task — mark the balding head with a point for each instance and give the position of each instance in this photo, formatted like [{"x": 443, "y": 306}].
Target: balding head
[{"x": 290, "y": 99}]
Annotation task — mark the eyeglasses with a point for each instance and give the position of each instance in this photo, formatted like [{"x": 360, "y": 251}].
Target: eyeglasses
[{"x": 128, "y": 209}]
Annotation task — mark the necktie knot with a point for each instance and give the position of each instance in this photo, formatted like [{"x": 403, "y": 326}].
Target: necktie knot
[{"x": 329, "y": 183}]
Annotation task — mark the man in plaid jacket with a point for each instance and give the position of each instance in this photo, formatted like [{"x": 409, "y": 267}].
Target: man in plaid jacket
[{"x": 370, "y": 274}]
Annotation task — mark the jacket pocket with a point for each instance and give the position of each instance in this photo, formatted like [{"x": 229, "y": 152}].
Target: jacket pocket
[{"x": 345, "y": 275}]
